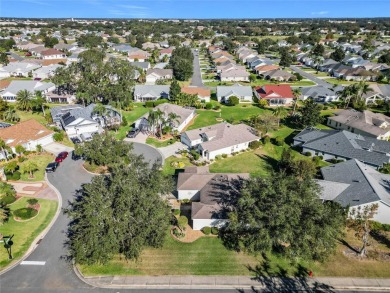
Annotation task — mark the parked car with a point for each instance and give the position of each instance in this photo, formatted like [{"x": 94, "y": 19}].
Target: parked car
[
  {"x": 61, "y": 156},
  {"x": 51, "y": 167},
  {"x": 75, "y": 140},
  {"x": 133, "y": 133}
]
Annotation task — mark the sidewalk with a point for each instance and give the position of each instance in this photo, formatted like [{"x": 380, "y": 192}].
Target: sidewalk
[{"x": 235, "y": 282}]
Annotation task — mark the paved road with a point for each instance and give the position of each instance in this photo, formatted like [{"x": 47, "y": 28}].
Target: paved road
[
  {"x": 150, "y": 154},
  {"x": 197, "y": 75},
  {"x": 312, "y": 77}
]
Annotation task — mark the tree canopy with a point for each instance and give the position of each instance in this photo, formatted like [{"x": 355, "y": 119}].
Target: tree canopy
[
  {"x": 281, "y": 213},
  {"x": 310, "y": 114},
  {"x": 182, "y": 63}
]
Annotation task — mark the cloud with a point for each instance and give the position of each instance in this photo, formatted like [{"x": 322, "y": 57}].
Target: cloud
[
  {"x": 129, "y": 10},
  {"x": 320, "y": 13}
]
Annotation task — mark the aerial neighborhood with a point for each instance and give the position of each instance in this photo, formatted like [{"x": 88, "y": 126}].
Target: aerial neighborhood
[{"x": 249, "y": 141}]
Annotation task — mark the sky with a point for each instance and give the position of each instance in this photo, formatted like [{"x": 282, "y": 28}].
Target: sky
[{"x": 194, "y": 8}]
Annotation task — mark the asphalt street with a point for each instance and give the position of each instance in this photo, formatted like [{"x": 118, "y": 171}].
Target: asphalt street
[
  {"x": 312, "y": 77},
  {"x": 197, "y": 75}
]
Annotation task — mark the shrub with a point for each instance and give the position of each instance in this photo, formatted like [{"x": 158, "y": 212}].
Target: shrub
[
  {"x": 217, "y": 158},
  {"x": 316, "y": 160},
  {"x": 8, "y": 199},
  {"x": 160, "y": 101},
  {"x": 214, "y": 230},
  {"x": 149, "y": 104},
  {"x": 224, "y": 156},
  {"x": 266, "y": 140},
  {"x": 195, "y": 155},
  {"x": 182, "y": 222},
  {"x": 176, "y": 212},
  {"x": 307, "y": 154},
  {"x": 124, "y": 121},
  {"x": 263, "y": 103},
  {"x": 217, "y": 107},
  {"x": 233, "y": 100},
  {"x": 15, "y": 176},
  {"x": 58, "y": 136},
  {"x": 206, "y": 230},
  {"x": 209, "y": 106},
  {"x": 32, "y": 201},
  {"x": 279, "y": 141},
  {"x": 22, "y": 159},
  {"x": 25, "y": 213}
]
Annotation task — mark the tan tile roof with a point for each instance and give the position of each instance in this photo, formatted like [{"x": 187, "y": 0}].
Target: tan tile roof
[
  {"x": 24, "y": 132},
  {"x": 51, "y": 51},
  {"x": 4, "y": 84},
  {"x": 195, "y": 90},
  {"x": 47, "y": 62}
]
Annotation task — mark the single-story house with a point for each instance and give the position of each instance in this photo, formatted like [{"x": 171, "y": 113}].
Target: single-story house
[
  {"x": 278, "y": 75},
  {"x": 275, "y": 95},
  {"x": 52, "y": 54},
  {"x": 166, "y": 52},
  {"x": 152, "y": 75},
  {"x": 46, "y": 72},
  {"x": 136, "y": 54},
  {"x": 218, "y": 139},
  {"x": 28, "y": 134},
  {"x": 9, "y": 94},
  {"x": 18, "y": 69},
  {"x": 184, "y": 116},
  {"x": 353, "y": 184},
  {"x": 261, "y": 69},
  {"x": 203, "y": 94},
  {"x": 230, "y": 66},
  {"x": 365, "y": 123},
  {"x": 143, "y": 93},
  {"x": 234, "y": 75},
  {"x": 319, "y": 94},
  {"x": 344, "y": 145},
  {"x": 142, "y": 65},
  {"x": 210, "y": 192},
  {"x": 243, "y": 93}
]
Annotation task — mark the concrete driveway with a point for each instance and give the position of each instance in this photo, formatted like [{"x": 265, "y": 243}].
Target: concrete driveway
[
  {"x": 140, "y": 138},
  {"x": 55, "y": 148},
  {"x": 172, "y": 149}
]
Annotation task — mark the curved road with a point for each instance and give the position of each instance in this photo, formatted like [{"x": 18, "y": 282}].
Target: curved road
[{"x": 312, "y": 77}]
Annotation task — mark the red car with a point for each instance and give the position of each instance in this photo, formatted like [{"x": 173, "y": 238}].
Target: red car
[{"x": 61, "y": 156}]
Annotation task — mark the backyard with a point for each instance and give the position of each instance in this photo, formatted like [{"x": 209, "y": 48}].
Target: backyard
[{"x": 25, "y": 232}]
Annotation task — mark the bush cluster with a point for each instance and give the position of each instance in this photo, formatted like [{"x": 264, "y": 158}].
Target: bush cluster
[
  {"x": 206, "y": 230},
  {"x": 152, "y": 104},
  {"x": 25, "y": 213}
]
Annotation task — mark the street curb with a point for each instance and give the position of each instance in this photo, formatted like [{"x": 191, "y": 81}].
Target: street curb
[{"x": 34, "y": 244}]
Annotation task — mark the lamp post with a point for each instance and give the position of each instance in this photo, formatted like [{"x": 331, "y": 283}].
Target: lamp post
[{"x": 7, "y": 240}]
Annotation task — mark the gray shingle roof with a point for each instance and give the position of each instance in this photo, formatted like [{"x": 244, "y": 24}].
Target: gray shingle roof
[
  {"x": 347, "y": 145},
  {"x": 361, "y": 184},
  {"x": 154, "y": 90},
  {"x": 239, "y": 91},
  {"x": 29, "y": 85}
]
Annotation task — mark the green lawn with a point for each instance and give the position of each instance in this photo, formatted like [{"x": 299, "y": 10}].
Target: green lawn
[
  {"x": 235, "y": 113},
  {"x": 158, "y": 143},
  {"x": 261, "y": 82},
  {"x": 169, "y": 170},
  {"x": 344, "y": 82},
  {"x": 131, "y": 117},
  {"x": 41, "y": 160},
  {"x": 205, "y": 256},
  {"x": 30, "y": 115},
  {"x": 25, "y": 232}
]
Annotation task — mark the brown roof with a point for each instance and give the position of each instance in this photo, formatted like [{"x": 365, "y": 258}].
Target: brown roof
[
  {"x": 47, "y": 62},
  {"x": 4, "y": 84},
  {"x": 24, "y": 132},
  {"x": 266, "y": 68},
  {"x": 51, "y": 51},
  {"x": 196, "y": 90}
]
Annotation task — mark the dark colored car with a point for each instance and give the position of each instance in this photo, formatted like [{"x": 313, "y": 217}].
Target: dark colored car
[
  {"x": 61, "y": 156},
  {"x": 51, "y": 167},
  {"x": 133, "y": 133},
  {"x": 76, "y": 140}
]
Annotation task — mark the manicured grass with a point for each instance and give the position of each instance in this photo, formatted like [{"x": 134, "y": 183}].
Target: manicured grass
[
  {"x": 131, "y": 117},
  {"x": 23, "y": 115},
  {"x": 169, "y": 170},
  {"x": 158, "y": 143},
  {"x": 344, "y": 82},
  {"x": 205, "y": 256},
  {"x": 261, "y": 82},
  {"x": 41, "y": 160},
  {"x": 25, "y": 232},
  {"x": 236, "y": 113}
]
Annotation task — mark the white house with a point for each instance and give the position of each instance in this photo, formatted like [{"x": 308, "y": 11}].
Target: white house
[
  {"x": 355, "y": 184},
  {"x": 9, "y": 94},
  {"x": 152, "y": 75},
  {"x": 82, "y": 126},
  {"x": 143, "y": 93},
  {"x": 21, "y": 69},
  {"x": 46, "y": 72},
  {"x": 243, "y": 93},
  {"x": 28, "y": 134},
  {"x": 219, "y": 139},
  {"x": 208, "y": 191}
]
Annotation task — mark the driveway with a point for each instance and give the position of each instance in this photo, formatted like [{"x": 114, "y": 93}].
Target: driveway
[
  {"x": 197, "y": 75},
  {"x": 172, "y": 149},
  {"x": 312, "y": 77},
  {"x": 55, "y": 148},
  {"x": 140, "y": 138}
]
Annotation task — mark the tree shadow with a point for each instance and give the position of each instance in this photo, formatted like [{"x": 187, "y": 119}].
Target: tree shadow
[
  {"x": 380, "y": 237},
  {"x": 272, "y": 164},
  {"x": 277, "y": 279},
  {"x": 345, "y": 243}
]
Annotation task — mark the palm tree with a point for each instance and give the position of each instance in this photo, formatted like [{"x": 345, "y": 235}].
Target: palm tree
[
  {"x": 280, "y": 113},
  {"x": 160, "y": 119},
  {"x": 347, "y": 93},
  {"x": 10, "y": 115},
  {"x": 362, "y": 88},
  {"x": 29, "y": 167},
  {"x": 297, "y": 93},
  {"x": 152, "y": 120},
  {"x": 4, "y": 213},
  {"x": 3, "y": 147},
  {"x": 173, "y": 118},
  {"x": 23, "y": 100},
  {"x": 100, "y": 109}
]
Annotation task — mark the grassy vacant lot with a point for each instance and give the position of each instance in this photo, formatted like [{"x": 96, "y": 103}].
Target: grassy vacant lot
[
  {"x": 131, "y": 117},
  {"x": 25, "y": 232},
  {"x": 208, "y": 256},
  {"x": 41, "y": 160}
]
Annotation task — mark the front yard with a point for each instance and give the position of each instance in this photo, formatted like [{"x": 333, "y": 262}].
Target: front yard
[
  {"x": 41, "y": 160},
  {"x": 25, "y": 232},
  {"x": 131, "y": 116}
]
